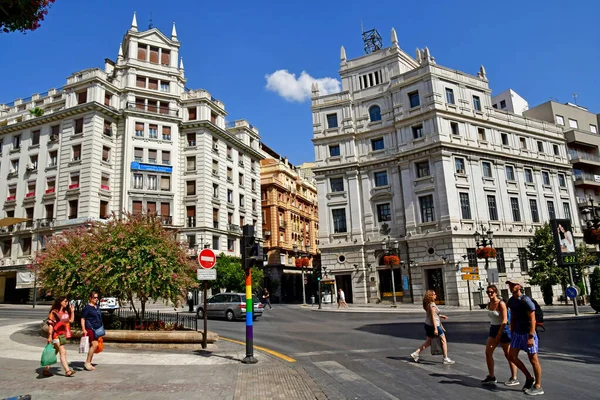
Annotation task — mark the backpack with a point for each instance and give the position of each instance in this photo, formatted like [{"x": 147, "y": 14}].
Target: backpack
[{"x": 539, "y": 314}]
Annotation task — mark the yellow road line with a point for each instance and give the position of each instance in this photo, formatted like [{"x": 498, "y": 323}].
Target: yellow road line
[{"x": 269, "y": 351}]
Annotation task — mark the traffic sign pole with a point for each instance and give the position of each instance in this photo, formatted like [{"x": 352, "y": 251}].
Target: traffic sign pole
[
  {"x": 207, "y": 260},
  {"x": 573, "y": 284},
  {"x": 249, "y": 359},
  {"x": 469, "y": 292}
]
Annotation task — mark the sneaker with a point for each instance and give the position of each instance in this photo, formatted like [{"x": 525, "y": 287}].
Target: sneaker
[
  {"x": 534, "y": 391},
  {"x": 415, "y": 356},
  {"x": 448, "y": 361},
  {"x": 489, "y": 380},
  {"x": 528, "y": 383},
  {"x": 512, "y": 382}
]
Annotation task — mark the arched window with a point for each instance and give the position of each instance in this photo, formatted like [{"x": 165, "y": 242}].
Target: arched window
[{"x": 375, "y": 113}]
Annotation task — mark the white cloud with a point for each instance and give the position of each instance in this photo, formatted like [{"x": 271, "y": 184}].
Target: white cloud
[{"x": 298, "y": 89}]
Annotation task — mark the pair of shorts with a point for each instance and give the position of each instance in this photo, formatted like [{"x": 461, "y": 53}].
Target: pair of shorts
[
  {"x": 504, "y": 337},
  {"x": 90, "y": 333},
  {"x": 519, "y": 341},
  {"x": 430, "y": 331}
]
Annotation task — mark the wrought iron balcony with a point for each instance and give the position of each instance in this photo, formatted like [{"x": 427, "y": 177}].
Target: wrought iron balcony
[{"x": 153, "y": 109}]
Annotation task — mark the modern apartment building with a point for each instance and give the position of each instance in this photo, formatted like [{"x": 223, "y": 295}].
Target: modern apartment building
[
  {"x": 290, "y": 227},
  {"x": 510, "y": 101},
  {"x": 583, "y": 141},
  {"x": 128, "y": 137},
  {"x": 414, "y": 153}
]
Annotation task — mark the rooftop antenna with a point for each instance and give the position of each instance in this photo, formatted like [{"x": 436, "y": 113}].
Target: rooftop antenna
[
  {"x": 575, "y": 98},
  {"x": 150, "y": 25},
  {"x": 372, "y": 40}
]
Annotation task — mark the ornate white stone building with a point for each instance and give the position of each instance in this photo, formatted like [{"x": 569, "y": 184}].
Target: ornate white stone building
[
  {"x": 129, "y": 137},
  {"x": 414, "y": 152}
]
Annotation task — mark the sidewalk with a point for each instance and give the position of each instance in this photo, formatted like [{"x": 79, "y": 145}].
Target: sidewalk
[{"x": 148, "y": 374}]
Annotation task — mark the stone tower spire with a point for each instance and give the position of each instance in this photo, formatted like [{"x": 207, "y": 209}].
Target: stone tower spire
[
  {"x": 343, "y": 55},
  {"x": 174, "y": 33},
  {"x": 133, "y": 23},
  {"x": 394, "y": 38}
]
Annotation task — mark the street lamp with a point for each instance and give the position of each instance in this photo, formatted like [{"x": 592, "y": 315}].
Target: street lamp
[
  {"x": 299, "y": 253},
  {"x": 390, "y": 249},
  {"x": 483, "y": 251}
]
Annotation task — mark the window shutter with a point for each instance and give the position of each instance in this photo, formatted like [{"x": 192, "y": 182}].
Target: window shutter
[
  {"x": 165, "y": 57},
  {"x": 165, "y": 183},
  {"x": 153, "y": 84},
  {"x": 154, "y": 55},
  {"x": 191, "y": 211},
  {"x": 140, "y": 81},
  {"x": 141, "y": 53},
  {"x": 139, "y": 126},
  {"x": 137, "y": 207},
  {"x": 166, "y": 130},
  {"x": 165, "y": 209},
  {"x": 151, "y": 207}
]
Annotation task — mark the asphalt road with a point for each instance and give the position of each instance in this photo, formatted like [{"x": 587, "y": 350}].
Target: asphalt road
[{"x": 366, "y": 355}]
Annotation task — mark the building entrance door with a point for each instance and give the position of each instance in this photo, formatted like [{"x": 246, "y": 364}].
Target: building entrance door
[
  {"x": 435, "y": 282},
  {"x": 345, "y": 283}
]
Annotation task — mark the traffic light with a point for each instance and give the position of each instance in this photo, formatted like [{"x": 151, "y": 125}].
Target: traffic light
[{"x": 252, "y": 255}]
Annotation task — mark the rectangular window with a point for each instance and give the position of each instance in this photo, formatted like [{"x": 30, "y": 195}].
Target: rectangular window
[
  {"x": 523, "y": 143},
  {"x": 53, "y": 159},
  {"x": 459, "y": 164},
  {"x": 153, "y": 84},
  {"x": 551, "y": 210},
  {"x": 54, "y": 131},
  {"x": 105, "y": 182},
  {"x": 377, "y": 144},
  {"x": 77, "y": 152},
  {"x": 16, "y": 142},
  {"x": 154, "y": 55},
  {"x": 546, "y": 178},
  {"x": 35, "y": 137},
  {"x": 191, "y": 216},
  {"x": 253, "y": 184},
  {"x": 105, "y": 153},
  {"x": 481, "y": 134},
  {"x": 138, "y": 181},
  {"x": 487, "y": 169},
  {"x": 73, "y": 209},
  {"x": 138, "y": 154},
  {"x": 516, "y": 212},
  {"x": 192, "y": 113},
  {"x": 339, "y": 220},
  {"x": 107, "y": 99},
  {"x": 528, "y": 175},
  {"x": 504, "y": 137},
  {"x": 79, "y": 126},
  {"x": 242, "y": 204},
  {"x": 141, "y": 52},
  {"x": 593, "y": 128},
  {"x": 523, "y": 259},
  {"x": 230, "y": 196},
  {"x": 139, "y": 129},
  {"x": 164, "y": 86},
  {"x": 502, "y": 104},
  {"x": 337, "y": 184},
  {"x": 241, "y": 179},
  {"x": 165, "y": 183},
  {"x": 540, "y": 146},
  {"x": 427, "y": 210},
  {"x": 140, "y": 81},
  {"x": 152, "y": 156},
  {"x": 26, "y": 246},
  {"x": 152, "y": 182},
  {"x": 215, "y": 242},
  {"x": 573, "y": 123},
  {"x": 230, "y": 245},
  {"x": 216, "y": 218},
  {"x": 500, "y": 263},
  {"x": 381, "y": 178},
  {"x": 465, "y": 205},
  {"x": 191, "y": 188},
  {"x": 332, "y": 121},
  {"x": 414, "y": 100},
  {"x": 476, "y": 103},
  {"x": 567, "y": 210},
  {"x": 166, "y": 157},
  {"x": 213, "y": 117},
  {"x": 384, "y": 212},
  {"x": 417, "y": 131},
  {"x": 449, "y": 96},
  {"x": 191, "y": 139},
  {"x": 556, "y": 149},
  {"x": 230, "y": 174},
  {"x": 561, "y": 180},
  {"x": 510, "y": 173},
  {"x": 82, "y": 97},
  {"x": 334, "y": 150},
  {"x": 492, "y": 208},
  {"x": 215, "y": 190},
  {"x": 454, "y": 128},
  {"x": 422, "y": 169},
  {"x": 165, "y": 57},
  {"x": 191, "y": 163},
  {"x": 153, "y": 131},
  {"x": 472, "y": 257},
  {"x": 560, "y": 120},
  {"x": 535, "y": 215}
]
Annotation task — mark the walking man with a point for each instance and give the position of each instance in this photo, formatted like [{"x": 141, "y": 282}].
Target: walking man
[
  {"x": 190, "y": 300},
  {"x": 524, "y": 337},
  {"x": 266, "y": 299},
  {"x": 342, "y": 298}
]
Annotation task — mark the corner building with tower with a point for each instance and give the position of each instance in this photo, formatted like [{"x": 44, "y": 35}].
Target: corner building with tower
[
  {"x": 129, "y": 137},
  {"x": 412, "y": 159}
]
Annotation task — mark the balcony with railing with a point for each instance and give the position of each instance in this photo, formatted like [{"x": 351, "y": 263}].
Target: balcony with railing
[
  {"x": 166, "y": 219},
  {"x": 583, "y": 178},
  {"x": 584, "y": 157},
  {"x": 191, "y": 222},
  {"x": 153, "y": 109}
]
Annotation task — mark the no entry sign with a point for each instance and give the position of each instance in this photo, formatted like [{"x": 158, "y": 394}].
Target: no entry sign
[{"x": 207, "y": 258}]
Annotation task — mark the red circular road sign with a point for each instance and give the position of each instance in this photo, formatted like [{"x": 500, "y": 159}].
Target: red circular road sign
[{"x": 207, "y": 258}]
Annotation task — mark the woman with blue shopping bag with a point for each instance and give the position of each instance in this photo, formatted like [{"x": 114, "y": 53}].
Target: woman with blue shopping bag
[
  {"x": 92, "y": 327},
  {"x": 59, "y": 330}
]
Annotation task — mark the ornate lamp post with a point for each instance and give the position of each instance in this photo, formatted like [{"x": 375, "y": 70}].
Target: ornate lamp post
[
  {"x": 303, "y": 263},
  {"x": 391, "y": 258},
  {"x": 483, "y": 251}
]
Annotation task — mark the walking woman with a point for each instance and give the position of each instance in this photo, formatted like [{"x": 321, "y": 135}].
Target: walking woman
[
  {"x": 499, "y": 334},
  {"x": 61, "y": 315},
  {"x": 433, "y": 327},
  {"x": 91, "y": 319}
]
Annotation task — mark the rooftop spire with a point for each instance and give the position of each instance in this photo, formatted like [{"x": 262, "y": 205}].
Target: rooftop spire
[
  {"x": 120, "y": 56},
  {"x": 343, "y": 55},
  {"x": 394, "y": 38},
  {"x": 133, "y": 24},
  {"x": 174, "y": 33},
  {"x": 181, "y": 64}
]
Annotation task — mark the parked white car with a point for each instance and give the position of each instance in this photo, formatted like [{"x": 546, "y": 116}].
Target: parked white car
[{"x": 109, "y": 304}]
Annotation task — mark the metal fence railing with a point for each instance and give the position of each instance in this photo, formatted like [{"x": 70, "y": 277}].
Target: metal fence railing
[{"x": 152, "y": 321}]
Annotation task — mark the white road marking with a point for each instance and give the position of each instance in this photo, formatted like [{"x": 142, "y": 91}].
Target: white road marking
[{"x": 330, "y": 352}]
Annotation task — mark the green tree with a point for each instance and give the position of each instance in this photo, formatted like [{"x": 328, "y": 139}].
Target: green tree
[
  {"x": 545, "y": 272},
  {"x": 595, "y": 289},
  {"x": 584, "y": 260},
  {"x": 129, "y": 257},
  {"x": 23, "y": 15},
  {"x": 36, "y": 112},
  {"x": 231, "y": 275}
]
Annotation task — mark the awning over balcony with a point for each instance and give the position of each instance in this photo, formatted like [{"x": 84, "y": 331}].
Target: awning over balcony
[{"x": 11, "y": 221}]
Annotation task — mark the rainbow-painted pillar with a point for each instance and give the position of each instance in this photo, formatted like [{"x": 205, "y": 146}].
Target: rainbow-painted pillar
[{"x": 249, "y": 359}]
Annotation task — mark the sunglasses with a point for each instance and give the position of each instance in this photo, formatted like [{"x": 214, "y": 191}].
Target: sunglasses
[
  {"x": 490, "y": 293},
  {"x": 95, "y": 297}
]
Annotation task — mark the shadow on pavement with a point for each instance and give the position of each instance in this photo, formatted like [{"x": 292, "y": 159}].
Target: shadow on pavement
[
  {"x": 467, "y": 381},
  {"x": 210, "y": 354}
]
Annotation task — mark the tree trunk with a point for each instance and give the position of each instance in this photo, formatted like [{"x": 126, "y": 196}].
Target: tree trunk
[
  {"x": 548, "y": 294},
  {"x": 130, "y": 298},
  {"x": 143, "y": 301}
]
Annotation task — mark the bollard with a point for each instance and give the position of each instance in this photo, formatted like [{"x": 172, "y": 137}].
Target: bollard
[{"x": 312, "y": 300}]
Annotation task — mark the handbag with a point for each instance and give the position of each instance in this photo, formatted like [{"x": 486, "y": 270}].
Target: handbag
[
  {"x": 62, "y": 340},
  {"x": 99, "y": 332},
  {"x": 68, "y": 333},
  {"x": 100, "y": 346},
  {"x": 436, "y": 346},
  {"x": 48, "y": 356},
  {"x": 84, "y": 344}
]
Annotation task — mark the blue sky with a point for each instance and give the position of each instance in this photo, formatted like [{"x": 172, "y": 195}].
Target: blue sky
[{"x": 541, "y": 48}]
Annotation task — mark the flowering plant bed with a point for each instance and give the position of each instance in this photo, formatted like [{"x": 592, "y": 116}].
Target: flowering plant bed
[
  {"x": 391, "y": 260},
  {"x": 486, "y": 252},
  {"x": 591, "y": 236}
]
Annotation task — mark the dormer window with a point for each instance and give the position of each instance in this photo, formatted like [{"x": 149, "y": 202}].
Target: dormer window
[{"x": 375, "y": 113}]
